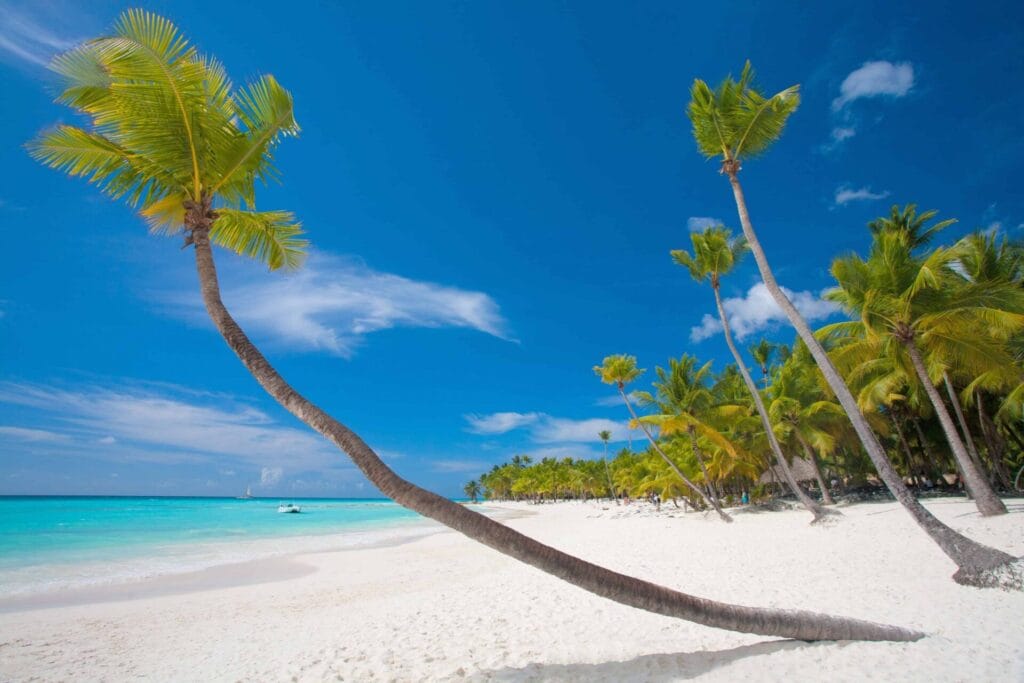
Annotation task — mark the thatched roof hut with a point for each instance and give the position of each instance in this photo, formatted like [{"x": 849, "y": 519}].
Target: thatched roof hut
[{"x": 801, "y": 468}]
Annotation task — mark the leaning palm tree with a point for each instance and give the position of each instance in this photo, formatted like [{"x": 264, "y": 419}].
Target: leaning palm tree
[
  {"x": 605, "y": 437},
  {"x": 715, "y": 253},
  {"x": 734, "y": 122},
  {"x": 922, "y": 313},
  {"x": 171, "y": 136},
  {"x": 621, "y": 370}
]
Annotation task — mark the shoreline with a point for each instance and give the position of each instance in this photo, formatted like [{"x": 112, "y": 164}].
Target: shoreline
[
  {"x": 270, "y": 567},
  {"x": 440, "y": 607}
]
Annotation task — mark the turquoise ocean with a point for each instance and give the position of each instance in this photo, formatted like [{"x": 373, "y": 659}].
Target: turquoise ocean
[{"x": 52, "y": 543}]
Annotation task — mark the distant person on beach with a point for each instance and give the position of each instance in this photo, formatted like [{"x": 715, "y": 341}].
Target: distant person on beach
[{"x": 745, "y": 498}]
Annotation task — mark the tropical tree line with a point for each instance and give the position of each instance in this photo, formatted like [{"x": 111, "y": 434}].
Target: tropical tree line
[{"x": 933, "y": 353}]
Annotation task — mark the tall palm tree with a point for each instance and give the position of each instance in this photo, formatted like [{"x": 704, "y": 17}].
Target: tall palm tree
[
  {"x": 735, "y": 121},
  {"x": 685, "y": 403},
  {"x": 620, "y": 371},
  {"x": 915, "y": 230},
  {"x": 762, "y": 353},
  {"x": 605, "y": 437},
  {"x": 715, "y": 253},
  {"x": 171, "y": 136},
  {"x": 800, "y": 410},
  {"x": 918, "y": 308},
  {"x": 910, "y": 223},
  {"x": 472, "y": 489}
]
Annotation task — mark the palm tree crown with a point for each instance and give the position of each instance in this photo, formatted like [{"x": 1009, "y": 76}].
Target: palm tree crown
[
  {"x": 715, "y": 253},
  {"x": 169, "y": 133},
  {"x": 734, "y": 120},
  {"x": 619, "y": 370},
  {"x": 909, "y": 222}
]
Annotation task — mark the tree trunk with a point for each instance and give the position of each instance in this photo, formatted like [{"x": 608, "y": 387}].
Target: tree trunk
[
  {"x": 712, "y": 491},
  {"x": 985, "y": 498},
  {"x": 977, "y": 562},
  {"x": 624, "y": 589},
  {"x": 608, "y": 471},
  {"x": 968, "y": 439},
  {"x": 826, "y": 496},
  {"x": 908, "y": 454},
  {"x": 818, "y": 511},
  {"x": 994, "y": 444},
  {"x": 937, "y": 468},
  {"x": 679, "y": 473}
]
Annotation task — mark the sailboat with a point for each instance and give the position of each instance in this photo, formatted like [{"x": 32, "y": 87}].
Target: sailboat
[{"x": 248, "y": 494}]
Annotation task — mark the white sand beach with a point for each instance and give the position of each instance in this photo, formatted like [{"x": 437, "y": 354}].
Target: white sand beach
[{"x": 444, "y": 608}]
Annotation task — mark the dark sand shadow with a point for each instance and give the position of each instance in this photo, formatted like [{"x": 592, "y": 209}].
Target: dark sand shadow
[{"x": 655, "y": 668}]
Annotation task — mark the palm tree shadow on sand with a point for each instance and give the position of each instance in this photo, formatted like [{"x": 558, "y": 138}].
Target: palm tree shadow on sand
[{"x": 654, "y": 667}]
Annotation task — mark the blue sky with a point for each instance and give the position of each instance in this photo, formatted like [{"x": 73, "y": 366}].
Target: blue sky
[{"x": 492, "y": 190}]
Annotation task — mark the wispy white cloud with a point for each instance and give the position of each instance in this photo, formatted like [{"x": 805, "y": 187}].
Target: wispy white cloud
[
  {"x": 453, "y": 466},
  {"x": 564, "y": 430},
  {"x": 270, "y": 476},
  {"x": 840, "y": 133},
  {"x": 498, "y": 423},
  {"x": 758, "y": 311},
  {"x": 33, "y": 38},
  {"x": 141, "y": 423},
  {"x": 544, "y": 428},
  {"x": 845, "y": 195},
  {"x": 26, "y": 434},
  {"x": 614, "y": 400},
  {"x": 333, "y": 302},
  {"x": 699, "y": 223},
  {"x": 873, "y": 79}
]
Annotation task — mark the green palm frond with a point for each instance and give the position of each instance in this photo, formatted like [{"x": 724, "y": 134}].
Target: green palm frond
[
  {"x": 271, "y": 237},
  {"x": 267, "y": 111},
  {"x": 167, "y": 128},
  {"x": 735, "y": 120},
  {"x": 102, "y": 162},
  {"x": 618, "y": 369}
]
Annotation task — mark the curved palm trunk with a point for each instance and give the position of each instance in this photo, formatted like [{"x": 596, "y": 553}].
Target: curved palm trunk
[
  {"x": 985, "y": 498},
  {"x": 965, "y": 429},
  {"x": 819, "y": 512},
  {"x": 679, "y": 473},
  {"x": 994, "y": 444},
  {"x": 977, "y": 562},
  {"x": 598, "y": 580},
  {"x": 608, "y": 471},
  {"x": 907, "y": 453},
  {"x": 931, "y": 462},
  {"x": 812, "y": 457}
]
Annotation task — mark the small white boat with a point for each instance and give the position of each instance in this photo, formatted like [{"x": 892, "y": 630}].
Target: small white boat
[
  {"x": 248, "y": 494},
  {"x": 289, "y": 508}
]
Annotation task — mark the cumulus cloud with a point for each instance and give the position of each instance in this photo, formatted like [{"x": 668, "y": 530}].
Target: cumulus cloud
[
  {"x": 845, "y": 195},
  {"x": 333, "y": 302},
  {"x": 758, "y": 311},
  {"x": 874, "y": 79},
  {"x": 699, "y": 223}
]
